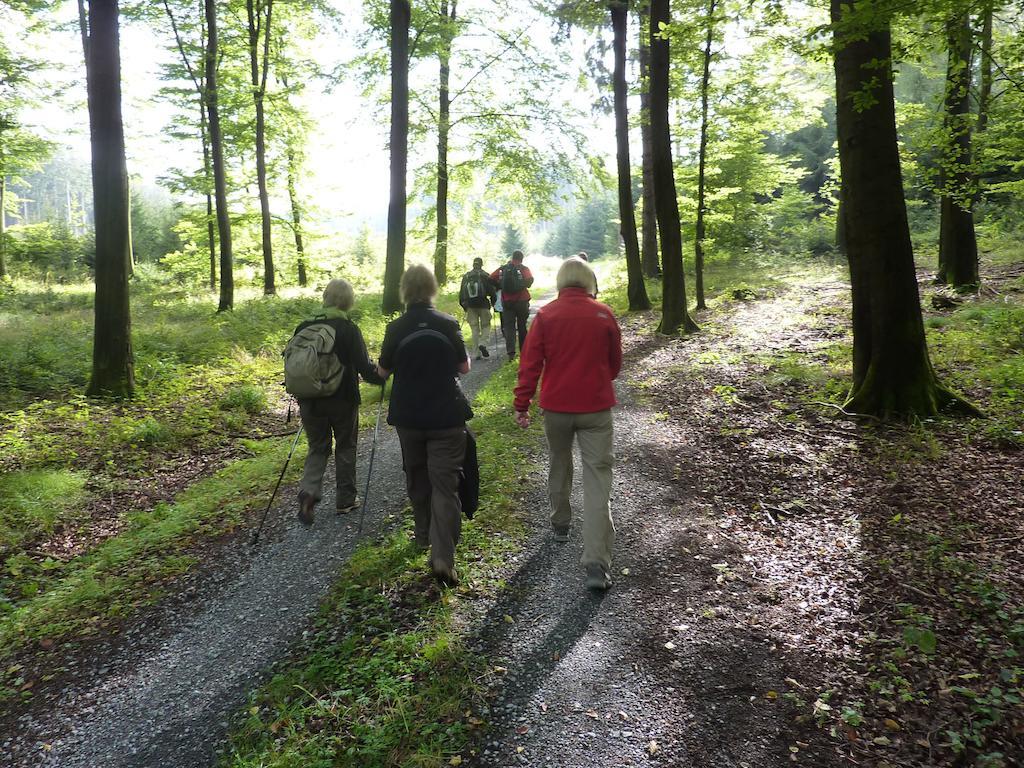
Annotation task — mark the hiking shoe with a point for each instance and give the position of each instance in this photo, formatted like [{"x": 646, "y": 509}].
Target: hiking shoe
[
  {"x": 597, "y": 577},
  {"x": 306, "y": 504},
  {"x": 445, "y": 574},
  {"x": 561, "y": 533},
  {"x": 344, "y": 509},
  {"x": 484, "y": 351}
]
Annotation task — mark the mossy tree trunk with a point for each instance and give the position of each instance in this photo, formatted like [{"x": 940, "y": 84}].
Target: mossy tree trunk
[
  {"x": 700, "y": 229},
  {"x": 674, "y": 316},
  {"x": 958, "y": 244},
  {"x": 113, "y": 371},
  {"x": 892, "y": 373},
  {"x": 636, "y": 290},
  {"x": 394, "y": 263}
]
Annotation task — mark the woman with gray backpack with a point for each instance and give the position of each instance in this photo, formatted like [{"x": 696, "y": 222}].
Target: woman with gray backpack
[{"x": 323, "y": 362}]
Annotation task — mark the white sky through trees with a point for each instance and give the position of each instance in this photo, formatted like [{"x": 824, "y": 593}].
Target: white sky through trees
[{"x": 347, "y": 166}]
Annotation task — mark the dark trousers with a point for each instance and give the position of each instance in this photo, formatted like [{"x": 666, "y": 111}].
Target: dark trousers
[
  {"x": 321, "y": 419},
  {"x": 514, "y": 315},
  {"x": 432, "y": 459}
]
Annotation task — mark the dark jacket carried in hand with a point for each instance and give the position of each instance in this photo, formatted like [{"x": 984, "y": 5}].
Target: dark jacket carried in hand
[
  {"x": 424, "y": 348},
  {"x": 477, "y": 290},
  {"x": 351, "y": 351}
]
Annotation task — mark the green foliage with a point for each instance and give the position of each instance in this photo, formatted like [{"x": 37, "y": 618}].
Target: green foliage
[
  {"x": 592, "y": 227},
  {"x": 512, "y": 240}
]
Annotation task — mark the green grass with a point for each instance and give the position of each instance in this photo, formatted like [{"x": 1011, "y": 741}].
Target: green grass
[
  {"x": 386, "y": 679},
  {"x": 34, "y": 502}
]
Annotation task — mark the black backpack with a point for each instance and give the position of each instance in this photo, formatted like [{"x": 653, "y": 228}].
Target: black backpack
[
  {"x": 474, "y": 286},
  {"x": 512, "y": 279}
]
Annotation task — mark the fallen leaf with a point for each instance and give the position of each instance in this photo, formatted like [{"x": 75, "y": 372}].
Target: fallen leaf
[
  {"x": 520, "y": 750},
  {"x": 625, "y": 571},
  {"x": 882, "y": 741},
  {"x": 670, "y": 646},
  {"x": 593, "y": 714},
  {"x": 771, "y": 695},
  {"x": 500, "y": 670},
  {"x": 508, "y": 619},
  {"x": 891, "y": 724},
  {"x": 543, "y": 706},
  {"x": 522, "y": 730},
  {"x": 254, "y": 710},
  {"x": 623, "y": 715},
  {"x": 455, "y": 761},
  {"x": 652, "y": 747}
]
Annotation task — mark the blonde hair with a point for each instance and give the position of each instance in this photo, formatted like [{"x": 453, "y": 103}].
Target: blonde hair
[
  {"x": 418, "y": 285},
  {"x": 576, "y": 273},
  {"x": 339, "y": 294}
]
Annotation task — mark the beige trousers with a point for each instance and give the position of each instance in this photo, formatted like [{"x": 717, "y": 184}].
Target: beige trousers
[
  {"x": 479, "y": 319},
  {"x": 594, "y": 433}
]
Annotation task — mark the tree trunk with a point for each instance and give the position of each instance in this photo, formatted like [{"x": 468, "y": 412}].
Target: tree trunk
[
  {"x": 649, "y": 243},
  {"x": 958, "y": 246},
  {"x": 841, "y": 225},
  {"x": 443, "y": 123},
  {"x": 296, "y": 218},
  {"x": 260, "y": 24},
  {"x": 395, "y": 259},
  {"x": 227, "y": 280},
  {"x": 211, "y": 237},
  {"x": 892, "y": 374},
  {"x": 985, "y": 76},
  {"x": 674, "y": 316},
  {"x": 698, "y": 244},
  {"x": 112, "y": 364},
  {"x": 3, "y": 226},
  {"x": 636, "y": 290}
]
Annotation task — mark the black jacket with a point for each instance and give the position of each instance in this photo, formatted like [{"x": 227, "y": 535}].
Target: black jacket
[{"x": 424, "y": 348}]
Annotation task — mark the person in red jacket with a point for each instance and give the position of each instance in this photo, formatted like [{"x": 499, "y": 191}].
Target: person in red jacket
[
  {"x": 575, "y": 344},
  {"x": 514, "y": 279}
]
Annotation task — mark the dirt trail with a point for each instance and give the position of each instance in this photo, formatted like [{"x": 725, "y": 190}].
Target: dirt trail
[
  {"x": 682, "y": 662},
  {"x": 161, "y": 691}
]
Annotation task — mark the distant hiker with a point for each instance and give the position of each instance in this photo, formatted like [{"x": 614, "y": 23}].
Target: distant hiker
[
  {"x": 476, "y": 295},
  {"x": 424, "y": 349},
  {"x": 575, "y": 343},
  {"x": 322, "y": 361},
  {"x": 583, "y": 255},
  {"x": 514, "y": 279}
]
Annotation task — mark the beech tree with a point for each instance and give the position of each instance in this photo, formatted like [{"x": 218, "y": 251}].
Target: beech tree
[
  {"x": 636, "y": 289},
  {"x": 674, "y": 314},
  {"x": 112, "y": 364},
  {"x": 394, "y": 263},
  {"x": 958, "y": 245},
  {"x": 892, "y": 372},
  {"x": 259, "y": 16},
  {"x": 227, "y": 272},
  {"x": 649, "y": 220}
]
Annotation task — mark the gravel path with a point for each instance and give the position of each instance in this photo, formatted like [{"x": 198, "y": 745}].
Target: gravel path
[
  {"x": 161, "y": 692},
  {"x": 674, "y": 665}
]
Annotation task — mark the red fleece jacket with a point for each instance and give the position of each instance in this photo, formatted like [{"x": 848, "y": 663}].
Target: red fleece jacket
[{"x": 575, "y": 342}]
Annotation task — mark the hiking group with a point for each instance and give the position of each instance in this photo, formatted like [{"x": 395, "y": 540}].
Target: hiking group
[{"x": 573, "y": 350}]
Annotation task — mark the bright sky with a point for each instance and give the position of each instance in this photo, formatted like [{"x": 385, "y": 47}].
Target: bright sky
[{"x": 348, "y": 160}]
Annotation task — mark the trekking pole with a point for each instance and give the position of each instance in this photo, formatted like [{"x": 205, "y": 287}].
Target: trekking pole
[
  {"x": 256, "y": 537},
  {"x": 373, "y": 451}
]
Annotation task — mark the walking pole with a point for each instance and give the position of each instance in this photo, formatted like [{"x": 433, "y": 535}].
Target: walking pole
[
  {"x": 373, "y": 451},
  {"x": 256, "y": 537}
]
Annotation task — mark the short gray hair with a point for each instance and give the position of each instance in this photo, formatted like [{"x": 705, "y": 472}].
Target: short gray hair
[
  {"x": 418, "y": 285},
  {"x": 576, "y": 273},
  {"x": 339, "y": 294}
]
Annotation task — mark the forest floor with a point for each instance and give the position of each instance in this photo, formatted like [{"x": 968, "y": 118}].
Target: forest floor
[{"x": 791, "y": 587}]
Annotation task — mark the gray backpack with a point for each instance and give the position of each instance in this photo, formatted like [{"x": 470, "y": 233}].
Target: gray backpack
[{"x": 311, "y": 369}]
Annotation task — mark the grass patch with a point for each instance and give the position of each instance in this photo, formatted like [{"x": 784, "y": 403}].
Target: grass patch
[
  {"x": 385, "y": 678},
  {"x": 122, "y": 574},
  {"x": 32, "y": 503}
]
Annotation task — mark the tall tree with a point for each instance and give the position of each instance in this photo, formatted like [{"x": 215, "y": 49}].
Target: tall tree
[
  {"x": 446, "y": 17},
  {"x": 892, "y": 373},
  {"x": 227, "y": 272},
  {"x": 112, "y": 364},
  {"x": 259, "y": 15},
  {"x": 985, "y": 65},
  {"x": 636, "y": 290},
  {"x": 958, "y": 245},
  {"x": 197, "y": 76},
  {"x": 700, "y": 233},
  {"x": 674, "y": 315},
  {"x": 395, "y": 259},
  {"x": 649, "y": 243}
]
